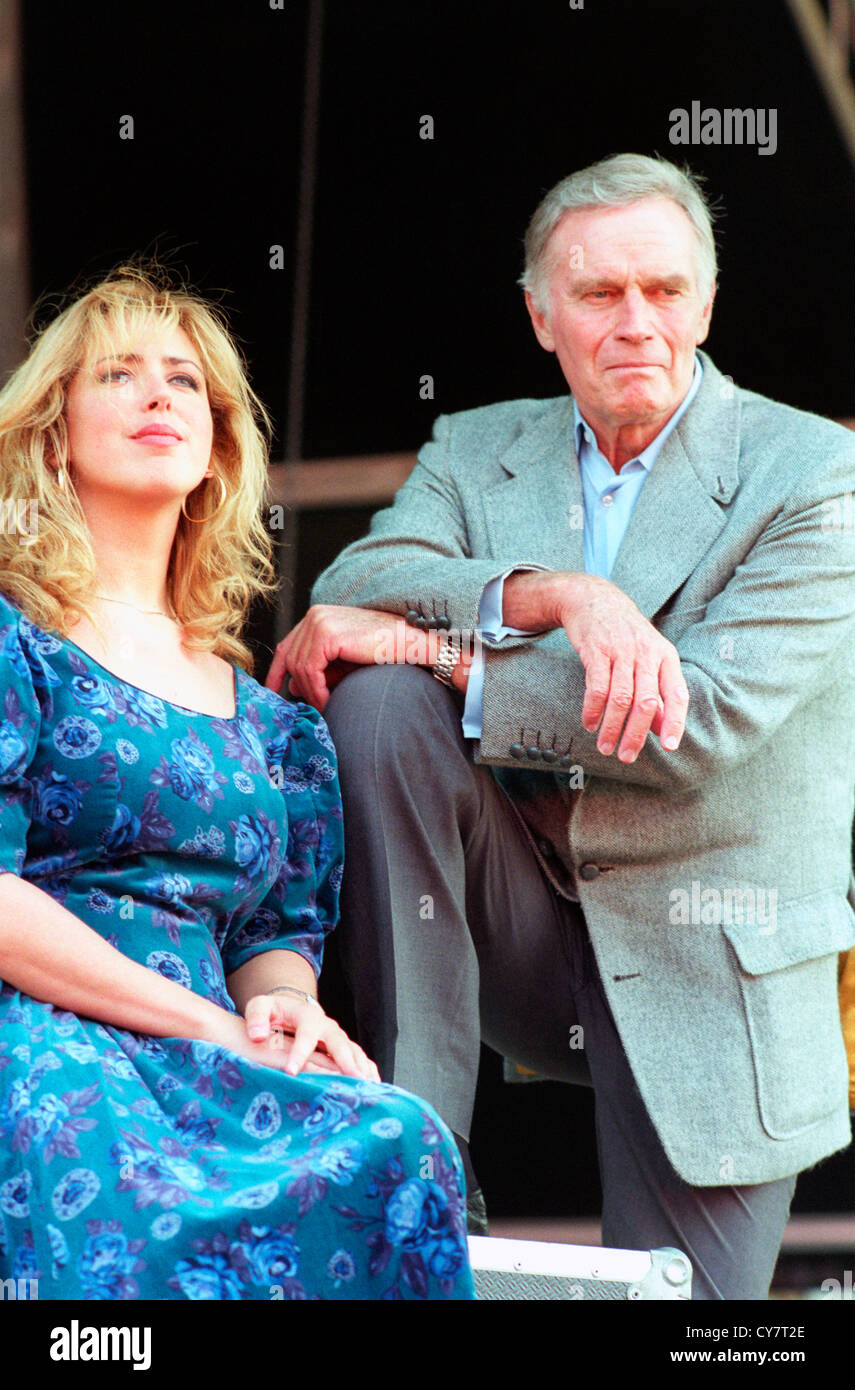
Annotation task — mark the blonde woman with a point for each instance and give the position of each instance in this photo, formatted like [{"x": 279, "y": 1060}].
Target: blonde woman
[{"x": 178, "y": 1116}]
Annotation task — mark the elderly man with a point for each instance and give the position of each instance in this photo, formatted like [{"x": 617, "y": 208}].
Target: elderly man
[{"x": 622, "y": 817}]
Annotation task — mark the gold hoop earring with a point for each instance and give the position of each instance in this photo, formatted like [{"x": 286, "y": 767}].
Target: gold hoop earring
[
  {"x": 60, "y": 477},
  {"x": 197, "y": 520}
]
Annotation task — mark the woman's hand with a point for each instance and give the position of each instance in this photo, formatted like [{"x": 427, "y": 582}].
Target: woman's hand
[
  {"x": 229, "y": 1031},
  {"x": 319, "y": 1043}
]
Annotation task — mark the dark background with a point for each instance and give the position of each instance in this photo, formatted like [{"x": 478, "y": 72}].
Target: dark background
[{"x": 416, "y": 248}]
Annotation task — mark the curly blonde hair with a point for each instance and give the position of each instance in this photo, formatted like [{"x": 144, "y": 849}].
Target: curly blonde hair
[{"x": 217, "y": 567}]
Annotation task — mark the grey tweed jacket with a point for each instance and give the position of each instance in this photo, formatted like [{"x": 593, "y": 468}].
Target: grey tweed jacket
[{"x": 714, "y": 879}]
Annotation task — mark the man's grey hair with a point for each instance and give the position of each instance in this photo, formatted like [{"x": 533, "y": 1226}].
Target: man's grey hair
[{"x": 610, "y": 183}]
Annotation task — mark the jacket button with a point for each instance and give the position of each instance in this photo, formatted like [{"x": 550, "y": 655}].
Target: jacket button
[
  {"x": 516, "y": 750},
  {"x": 549, "y": 755},
  {"x": 532, "y": 752},
  {"x": 589, "y": 871},
  {"x": 443, "y": 622},
  {"x": 421, "y": 622},
  {"x": 565, "y": 760},
  {"x": 411, "y": 617}
]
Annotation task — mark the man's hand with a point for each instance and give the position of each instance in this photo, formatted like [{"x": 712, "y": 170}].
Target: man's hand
[
  {"x": 633, "y": 680},
  {"x": 331, "y": 641}
]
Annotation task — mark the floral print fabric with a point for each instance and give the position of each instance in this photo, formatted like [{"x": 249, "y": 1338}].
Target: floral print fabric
[{"x": 169, "y": 1168}]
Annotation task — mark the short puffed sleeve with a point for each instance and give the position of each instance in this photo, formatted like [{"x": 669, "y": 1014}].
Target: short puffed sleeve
[
  {"x": 20, "y": 725},
  {"x": 302, "y": 905}
]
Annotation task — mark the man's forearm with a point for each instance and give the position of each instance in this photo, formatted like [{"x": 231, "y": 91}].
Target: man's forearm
[
  {"x": 331, "y": 640},
  {"x": 633, "y": 680},
  {"x": 539, "y": 600}
]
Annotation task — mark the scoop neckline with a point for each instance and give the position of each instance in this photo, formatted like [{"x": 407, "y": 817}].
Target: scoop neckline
[{"x": 185, "y": 709}]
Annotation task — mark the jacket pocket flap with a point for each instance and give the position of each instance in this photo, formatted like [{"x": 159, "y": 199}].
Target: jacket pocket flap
[{"x": 801, "y": 929}]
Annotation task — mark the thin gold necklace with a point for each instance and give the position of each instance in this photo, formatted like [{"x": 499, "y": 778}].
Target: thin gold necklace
[{"x": 152, "y": 612}]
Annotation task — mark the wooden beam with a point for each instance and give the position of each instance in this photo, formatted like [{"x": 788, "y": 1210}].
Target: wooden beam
[
  {"x": 14, "y": 267},
  {"x": 818, "y": 38},
  {"x": 371, "y": 481},
  {"x": 324, "y": 484},
  {"x": 286, "y": 550}
]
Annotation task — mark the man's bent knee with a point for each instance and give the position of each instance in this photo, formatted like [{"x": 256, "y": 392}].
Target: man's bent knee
[{"x": 400, "y": 694}]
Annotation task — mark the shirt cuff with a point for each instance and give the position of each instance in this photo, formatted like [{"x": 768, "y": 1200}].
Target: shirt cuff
[
  {"x": 473, "y": 709},
  {"x": 490, "y": 625}
]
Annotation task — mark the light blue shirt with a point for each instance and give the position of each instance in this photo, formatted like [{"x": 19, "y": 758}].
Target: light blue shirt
[{"x": 608, "y": 499}]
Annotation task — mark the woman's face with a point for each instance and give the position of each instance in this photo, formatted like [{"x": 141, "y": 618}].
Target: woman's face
[{"x": 139, "y": 424}]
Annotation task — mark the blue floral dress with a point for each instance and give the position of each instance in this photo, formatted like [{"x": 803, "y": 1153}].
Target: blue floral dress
[{"x": 168, "y": 1168}]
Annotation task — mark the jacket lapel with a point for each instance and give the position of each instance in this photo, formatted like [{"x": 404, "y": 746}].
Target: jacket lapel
[
  {"x": 682, "y": 507},
  {"x": 536, "y": 513}
]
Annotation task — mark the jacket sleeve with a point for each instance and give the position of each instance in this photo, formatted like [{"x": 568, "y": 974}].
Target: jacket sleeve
[
  {"x": 20, "y": 725},
  {"x": 777, "y": 632},
  {"x": 416, "y": 557}
]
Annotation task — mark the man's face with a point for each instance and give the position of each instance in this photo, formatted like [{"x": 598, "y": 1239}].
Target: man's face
[{"x": 625, "y": 312}]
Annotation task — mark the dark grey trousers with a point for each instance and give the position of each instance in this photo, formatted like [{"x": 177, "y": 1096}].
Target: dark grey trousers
[{"x": 451, "y": 933}]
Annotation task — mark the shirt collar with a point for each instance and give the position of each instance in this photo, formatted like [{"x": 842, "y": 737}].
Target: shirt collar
[{"x": 583, "y": 434}]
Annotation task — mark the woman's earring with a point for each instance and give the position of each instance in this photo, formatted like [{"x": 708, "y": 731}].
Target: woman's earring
[
  {"x": 60, "y": 477},
  {"x": 224, "y": 492}
]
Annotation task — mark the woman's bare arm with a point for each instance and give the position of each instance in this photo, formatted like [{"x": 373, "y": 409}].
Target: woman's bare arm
[{"x": 49, "y": 954}]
